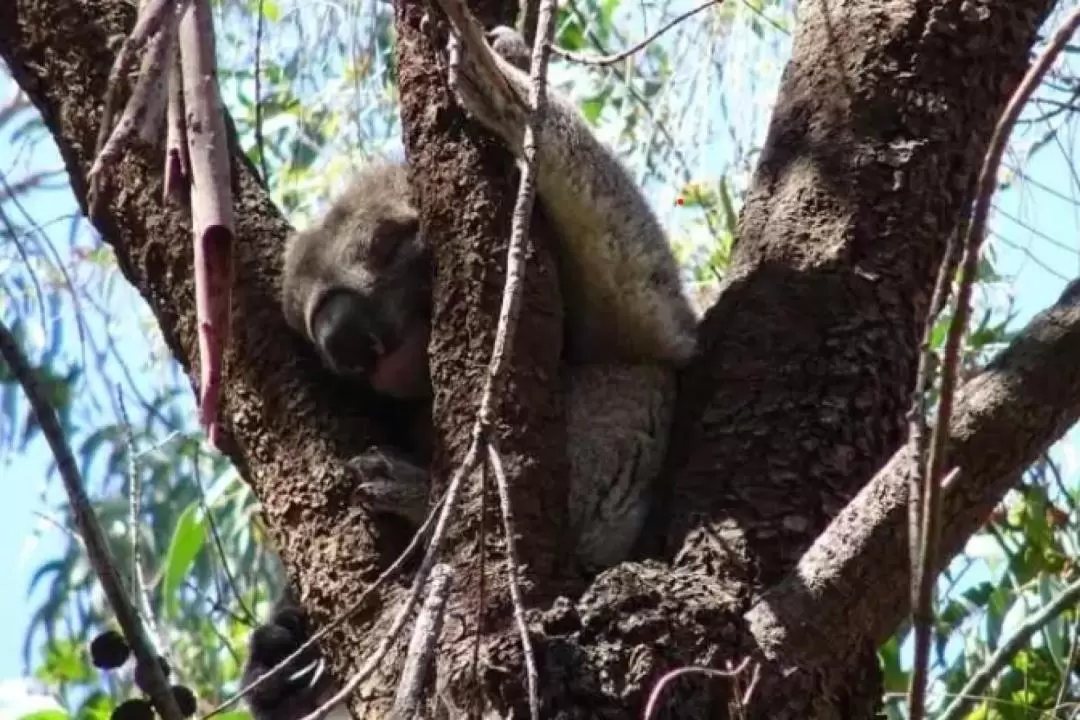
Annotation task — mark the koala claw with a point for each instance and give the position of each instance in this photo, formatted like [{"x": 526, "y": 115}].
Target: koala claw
[{"x": 391, "y": 484}]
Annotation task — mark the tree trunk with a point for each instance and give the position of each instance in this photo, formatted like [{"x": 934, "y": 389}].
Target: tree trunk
[{"x": 796, "y": 400}]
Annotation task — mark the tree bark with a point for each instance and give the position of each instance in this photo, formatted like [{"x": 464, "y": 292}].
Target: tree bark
[{"x": 796, "y": 401}]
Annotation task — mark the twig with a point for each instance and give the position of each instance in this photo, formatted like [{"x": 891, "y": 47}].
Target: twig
[
  {"x": 97, "y": 549},
  {"x": 219, "y": 545},
  {"x": 982, "y": 677},
  {"x": 976, "y": 231},
  {"x": 605, "y": 60},
  {"x": 259, "y": 140},
  {"x": 139, "y": 586},
  {"x": 149, "y": 21},
  {"x": 658, "y": 690},
  {"x": 421, "y": 653},
  {"x": 512, "y": 569},
  {"x": 481, "y": 590}
]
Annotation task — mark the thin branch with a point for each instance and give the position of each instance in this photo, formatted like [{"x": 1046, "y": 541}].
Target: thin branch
[
  {"x": 97, "y": 548},
  {"x": 420, "y": 656},
  {"x": 976, "y": 232},
  {"x": 139, "y": 586},
  {"x": 434, "y": 548},
  {"x": 513, "y": 565},
  {"x": 1018, "y": 405},
  {"x": 259, "y": 140},
  {"x": 605, "y": 60},
  {"x": 1067, "y": 600},
  {"x": 658, "y": 690},
  {"x": 219, "y": 545}
]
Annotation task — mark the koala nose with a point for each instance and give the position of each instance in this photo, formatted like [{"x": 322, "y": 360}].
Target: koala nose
[{"x": 343, "y": 335}]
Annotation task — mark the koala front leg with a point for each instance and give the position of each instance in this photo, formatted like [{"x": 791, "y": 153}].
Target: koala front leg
[{"x": 392, "y": 483}]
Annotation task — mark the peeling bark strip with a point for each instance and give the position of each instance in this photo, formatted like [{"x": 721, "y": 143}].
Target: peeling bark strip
[
  {"x": 211, "y": 205},
  {"x": 807, "y": 358}
]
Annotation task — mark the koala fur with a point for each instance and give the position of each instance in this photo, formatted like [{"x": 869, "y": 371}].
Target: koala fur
[{"x": 358, "y": 286}]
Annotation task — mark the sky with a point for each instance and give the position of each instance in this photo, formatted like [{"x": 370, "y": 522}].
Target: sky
[{"x": 1035, "y": 240}]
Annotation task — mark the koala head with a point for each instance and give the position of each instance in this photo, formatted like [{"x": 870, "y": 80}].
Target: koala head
[{"x": 357, "y": 284}]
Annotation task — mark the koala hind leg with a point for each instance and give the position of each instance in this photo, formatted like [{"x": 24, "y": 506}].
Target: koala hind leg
[{"x": 618, "y": 420}]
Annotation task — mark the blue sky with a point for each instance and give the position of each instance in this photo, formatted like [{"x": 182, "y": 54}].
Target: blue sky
[{"x": 1036, "y": 246}]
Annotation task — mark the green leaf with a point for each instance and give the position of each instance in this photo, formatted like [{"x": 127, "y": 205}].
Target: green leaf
[
  {"x": 46, "y": 715},
  {"x": 187, "y": 541}
]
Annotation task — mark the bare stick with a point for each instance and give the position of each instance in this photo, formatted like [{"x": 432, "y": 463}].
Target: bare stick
[
  {"x": 146, "y": 97},
  {"x": 969, "y": 266},
  {"x": 512, "y": 564},
  {"x": 149, "y": 21},
  {"x": 605, "y": 60},
  {"x": 420, "y": 656},
  {"x": 97, "y": 549},
  {"x": 177, "y": 163},
  {"x": 978, "y": 681},
  {"x": 139, "y": 587}
]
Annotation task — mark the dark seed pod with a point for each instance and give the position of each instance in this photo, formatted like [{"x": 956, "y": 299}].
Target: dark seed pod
[
  {"x": 109, "y": 650},
  {"x": 185, "y": 699},
  {"x": 142, "y": 674},
  {"x": 134, "y": 709}
]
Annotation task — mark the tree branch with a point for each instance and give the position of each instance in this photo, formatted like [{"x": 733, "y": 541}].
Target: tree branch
[{"x": 848, "y": 581}]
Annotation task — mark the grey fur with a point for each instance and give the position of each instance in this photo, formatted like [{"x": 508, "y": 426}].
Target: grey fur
[{"x": 629, "y": 324}]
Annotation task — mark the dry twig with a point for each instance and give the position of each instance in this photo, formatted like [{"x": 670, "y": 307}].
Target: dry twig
[
  {"x": 605, "y": 60},
  {"x": 976, "y": 232}
]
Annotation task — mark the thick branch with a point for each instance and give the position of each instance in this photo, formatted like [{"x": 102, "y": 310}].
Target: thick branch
[
  {"x": 882, "y": 120},
  {"x": 288, "y": 434},
  {"x": 849, "y": 581}
]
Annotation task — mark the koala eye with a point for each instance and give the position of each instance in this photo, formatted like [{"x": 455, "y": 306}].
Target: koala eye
[{"x": 388, "y": 238}]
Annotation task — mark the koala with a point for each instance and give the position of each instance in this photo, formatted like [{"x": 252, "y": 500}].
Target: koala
[
  {"x": 303, "y": 685},
  {"x": 358, "y": 286}
]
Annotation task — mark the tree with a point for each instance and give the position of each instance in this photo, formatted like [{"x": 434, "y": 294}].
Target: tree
[{"x": 797, "y": 401}]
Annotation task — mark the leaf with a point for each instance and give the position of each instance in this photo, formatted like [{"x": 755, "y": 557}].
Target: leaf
[
  {"x": 186, "y": 542},
  {"x": 46, "y": 715}
]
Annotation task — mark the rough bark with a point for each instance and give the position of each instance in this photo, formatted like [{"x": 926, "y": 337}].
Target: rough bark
[
  {"x": 287, "y": 427},
  {"x": 881, "y": 123},
  {"x": 1000, "y": 425},
  {"x": 796, "y": 401}
]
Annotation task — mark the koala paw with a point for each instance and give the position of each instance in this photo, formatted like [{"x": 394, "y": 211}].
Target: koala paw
[
  {"x": 391, "y": 483},
  {"x": 492, "y": 94}
]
